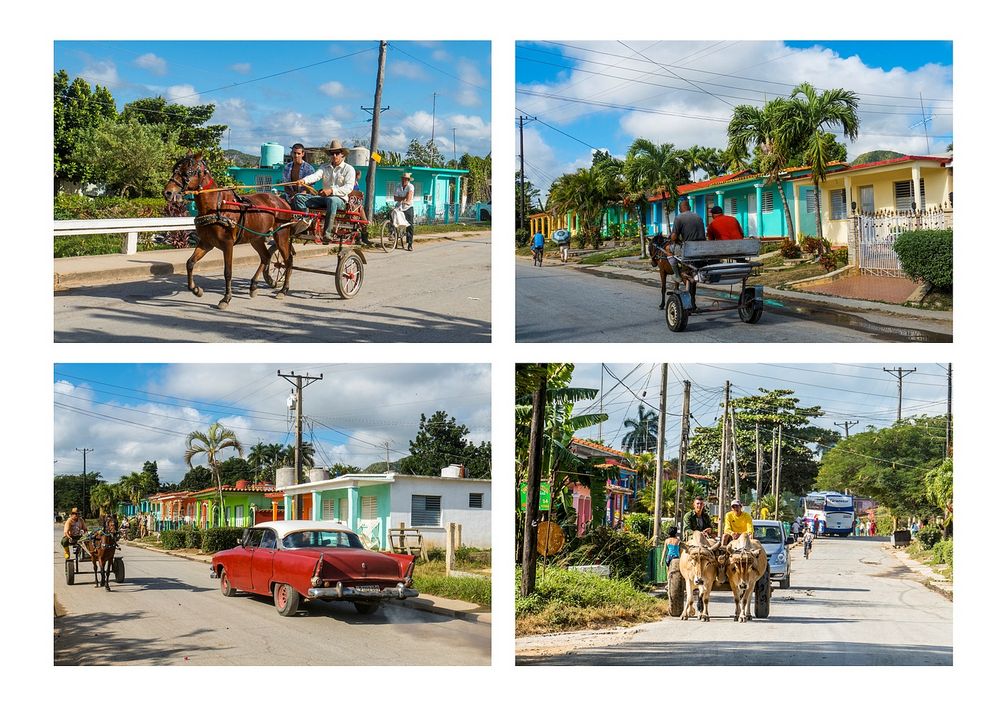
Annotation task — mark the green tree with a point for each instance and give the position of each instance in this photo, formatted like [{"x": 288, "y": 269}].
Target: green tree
[
  {"x": 807, "y": 115},
  {"x": 128, "y": 157},
  {"x": 653, "y": 168},
  {"x": 104, "y": 498},
  {"x": 235, "y": 469},
  {"x": 423, "y": 155},
  {"x": 531, "y": 195},
  {"x": 641, "y": 435},
  {"x": 196, "y": 479},
  {"x": 341, "y": 469},
  {"x": 212, "y": 443},
  {"x": 586, "y": 193},
  {"x": 76, "y": 111},
  {"x": 286, "y": 457},
  {"x": 477, "y": 181},
  {"x": 68, "y": 490},
  {"x": 441, "y": 441},
  {"x": 151, "y": 476}
]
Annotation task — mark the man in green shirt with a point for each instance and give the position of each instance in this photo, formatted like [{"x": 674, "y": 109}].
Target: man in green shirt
[{"x": 697, "y": 519}]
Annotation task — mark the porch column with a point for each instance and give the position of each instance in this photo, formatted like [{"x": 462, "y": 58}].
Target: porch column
[
  {"x": 274, "y": 509},
  {"x": 289, "y": 502},
  {"x": 759, "y": 191},
  {"x": 353, "y": 507},
  {"x": 795, "y": 213},
  {"x": 915, "y": 176},
  {"x": 317, "y": 506}
]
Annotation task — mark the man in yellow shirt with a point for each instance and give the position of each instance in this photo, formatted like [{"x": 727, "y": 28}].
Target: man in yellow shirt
[{"x": 737, "y": 522}]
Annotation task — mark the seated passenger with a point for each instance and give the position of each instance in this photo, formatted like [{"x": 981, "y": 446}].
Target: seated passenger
[{"x": 723, "y": 227}]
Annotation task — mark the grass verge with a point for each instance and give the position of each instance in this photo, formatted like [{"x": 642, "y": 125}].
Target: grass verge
[
  {"x": 930, "y": 558},
  {"x": 430, "y": 578},
  {"x": 452, "y": 227},
  {"x": 575, "y": 601},
  {"x": 598, "y": 258}
]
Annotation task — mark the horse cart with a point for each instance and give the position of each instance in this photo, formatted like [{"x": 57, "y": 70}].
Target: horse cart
[
  {"x": 80, "y": 555},
  {"x": 715, "y": 263},
  {"x": 676, "y": 598}
]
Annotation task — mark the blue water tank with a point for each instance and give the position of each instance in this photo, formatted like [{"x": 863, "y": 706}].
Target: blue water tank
[{"x": 271, "y": 153}]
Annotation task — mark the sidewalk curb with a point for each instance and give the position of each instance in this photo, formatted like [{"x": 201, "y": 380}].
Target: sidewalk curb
[
  {"x": 932, "y": 580},
  {"x": 416, "y": 604}
]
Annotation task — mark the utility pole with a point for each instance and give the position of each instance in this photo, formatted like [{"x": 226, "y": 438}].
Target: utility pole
[
  {"x": 299, "y": 385},
  {"x": 760, "y": 462},
  {"x": 777, "y": 478},
  {"x": 847, "y": 425},
  {"x": 85, "y": 504},
  {"x": 900, "y": 374},
  {"x": 682, "y": 453},
  {"x": 454, "y": 146},
  {"x": 658, "y": 486},
  {"x": 732, "y": 447},
  {"x": 373, "y": 143},
  {"x": 600, "y": 409},
  {"x": 524, "y": 207},
  {"x": 947, "y": 428},
  {"x": 387, "y": 469},
  {"x": 774, "y": 456},
  {"x": 722, "y": 463},
  {"x": 529, "y": 551},
  {"x": 434, "y": 98}
]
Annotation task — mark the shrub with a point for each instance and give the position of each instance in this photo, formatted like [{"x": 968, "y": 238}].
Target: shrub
[
  {"x": 622, "y": 551},
  {"x": 435, "y": 554},
  {"x": 833, "y": 260},
  {"x": 810, "y": 245},
  {"x": 172, "y": 539},
  {"x": 927, "y": 255},
  {"x": 639, "y": 523},
  {"x": 192, "y": 537},
  {"x": 614, "y": 230},
  {"x": 929, "y": 536},
  {"x": 521, "y": 238},
  {"x": 883, "y": 521},
  {"x": 789, "y": 249},
  {"x": 631, "y": 229},
  {"x": 944, "y": 553},
  {"x": 216, "y": 539},
  {"x": 74, "y": 206},
  {"x": 473, "y": 556}
]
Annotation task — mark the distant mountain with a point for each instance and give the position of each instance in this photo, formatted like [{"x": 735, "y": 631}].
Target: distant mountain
[
  {"x": 241, "y": 159},
  {"x": 876, "y": 156},
  {"x": 379, "y": 467}
]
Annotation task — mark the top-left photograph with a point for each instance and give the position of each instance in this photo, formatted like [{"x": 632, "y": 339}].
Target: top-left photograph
[{"x": 271, "y": 191}]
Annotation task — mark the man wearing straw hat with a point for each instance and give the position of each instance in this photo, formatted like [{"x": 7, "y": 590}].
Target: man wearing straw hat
[
  {"x": 338, "y": 182},
  {"x": 404, "y": 200}
]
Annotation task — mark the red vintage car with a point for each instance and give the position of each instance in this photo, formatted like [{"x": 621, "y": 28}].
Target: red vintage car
[{"x": 303, "y": 559}]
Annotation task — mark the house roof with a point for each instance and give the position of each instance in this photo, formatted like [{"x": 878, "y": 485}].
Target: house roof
[
  {"x": 365, "y": 480},
  {"x": 596, "y": 446},
  {"x": 941, "y": 160},
  {"x": 226, "y": 488}
]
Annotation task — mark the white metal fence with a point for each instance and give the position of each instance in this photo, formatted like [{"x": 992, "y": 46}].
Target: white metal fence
[{"x": 874, "y": 235}]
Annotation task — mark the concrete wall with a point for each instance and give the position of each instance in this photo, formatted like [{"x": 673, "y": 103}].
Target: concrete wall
[{"x": 475, "y": 522}]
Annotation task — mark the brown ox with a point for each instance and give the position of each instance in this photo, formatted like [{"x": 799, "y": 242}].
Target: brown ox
[
  {"x": 699, "y": 565},
  {"x": 747, "y": 562}
]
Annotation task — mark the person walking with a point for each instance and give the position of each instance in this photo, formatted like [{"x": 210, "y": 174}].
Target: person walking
[{"x": 404, "y": 200}]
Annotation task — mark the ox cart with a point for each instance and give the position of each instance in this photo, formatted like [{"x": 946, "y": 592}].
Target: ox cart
[
  {"x": 79, "y": 555},
  {"x": 676, "y": 598},
  {"x": 715, "y": 263}
]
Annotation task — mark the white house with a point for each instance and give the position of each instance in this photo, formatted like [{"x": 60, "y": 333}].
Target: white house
[{"x": 370, "y": 504}]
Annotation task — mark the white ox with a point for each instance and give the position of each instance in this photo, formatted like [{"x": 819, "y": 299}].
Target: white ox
[
  {"x": 699, "y": 565},
  {"x": 746, "y": 563}
]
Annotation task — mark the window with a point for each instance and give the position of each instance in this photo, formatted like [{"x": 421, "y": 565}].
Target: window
[
  {"x": 425, "y": 510},
  {"x": 270, "y": 539},
  {"x": 238, "y": 515},
  {"x": 767, "y": 201},
  {"x": 329, "y": 509},
  {"x": 810, "y": 197},
  {"x": 254, "y": 538},
  {"x": 390, "y": 190},
  {"x": 903, "y": 193},
  {"x": 369, "y": 508},
  {"x": 866, "y": 195},
  {"x": 838, "y": 204},
  {"x": 709, "y": 203},
  {"x": 475, "y": 500},
  {"x": 731, "y": 206}
]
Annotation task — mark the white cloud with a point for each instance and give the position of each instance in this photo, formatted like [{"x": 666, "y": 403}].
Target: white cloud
[
  {"x": 440, "y": 55},
  {"x": 101, "y": 72},
  {"x": 469, "y": 95},
  {"x": 241, "y": 68},
  {"x": 406, "y": 70},
  {"x": 333, "y": 89},
  {"x": 152, "y": 63},
  {"x": 184, "y": 94},
  {"x": 234, "y": 113}
]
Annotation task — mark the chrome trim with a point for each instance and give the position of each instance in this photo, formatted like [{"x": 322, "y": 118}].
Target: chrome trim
[{"x": 400, "y": 591}]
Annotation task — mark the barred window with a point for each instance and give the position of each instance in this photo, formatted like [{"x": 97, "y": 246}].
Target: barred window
[
  {"x": 425, "y": 511},
  {"x": 329, "y": 509},
  {"x": 838, "y": 204},
  {"x": 730, "y": 205},
  {"x": 903, "y": 193},
  {"x": 475, "y": 500},
  {"x": 767, "y": 201},
  {"x": 810, "y": 195},
  {"x": 392, "y": 186},
  {"x": 369, "y": 507}
]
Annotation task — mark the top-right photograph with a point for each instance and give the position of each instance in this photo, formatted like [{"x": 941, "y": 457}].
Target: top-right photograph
[{"x": 730, "y": 191}]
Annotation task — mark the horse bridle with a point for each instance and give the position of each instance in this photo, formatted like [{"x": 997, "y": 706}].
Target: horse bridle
[{"x": 202, "y": 170}]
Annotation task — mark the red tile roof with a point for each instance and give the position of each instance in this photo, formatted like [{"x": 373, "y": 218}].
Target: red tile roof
[{"x": 598, "y": 447}]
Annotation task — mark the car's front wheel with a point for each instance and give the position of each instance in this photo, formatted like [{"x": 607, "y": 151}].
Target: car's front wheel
[
  {"x": 366, "y": 607},
  {"x": 286, "y": 599}
]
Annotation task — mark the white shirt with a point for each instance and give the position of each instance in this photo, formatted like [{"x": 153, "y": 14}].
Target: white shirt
[
  {"x": 407, "y": 194},
  {"x": 339, "y": 180}
]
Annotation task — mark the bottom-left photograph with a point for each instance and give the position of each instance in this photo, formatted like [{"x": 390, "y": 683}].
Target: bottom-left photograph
[{"x": 248, "y": 514}]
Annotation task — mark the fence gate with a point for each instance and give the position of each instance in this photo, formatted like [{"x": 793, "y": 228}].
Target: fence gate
[{"x": 875, "y": 235}]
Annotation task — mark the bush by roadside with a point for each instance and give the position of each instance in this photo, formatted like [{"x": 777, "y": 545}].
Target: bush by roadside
[
  {"x": 218, "y": 539},
  {"x": 927, "y": 255}
]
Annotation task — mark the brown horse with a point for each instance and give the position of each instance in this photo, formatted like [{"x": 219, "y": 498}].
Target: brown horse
[
  {"x": 101, "y": 546},
  {"x": 225, "y": 219}
]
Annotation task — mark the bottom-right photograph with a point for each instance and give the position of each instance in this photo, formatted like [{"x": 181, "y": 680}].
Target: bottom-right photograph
[{"x": 734, "y": 514}]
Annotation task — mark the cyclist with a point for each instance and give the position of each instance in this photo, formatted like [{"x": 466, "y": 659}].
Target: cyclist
[
  {"x": 807, "y": 542},
  {"x": 538, "y": 246}
]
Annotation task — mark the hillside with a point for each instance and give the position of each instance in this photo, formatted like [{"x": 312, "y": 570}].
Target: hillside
[
  {"x": 876, "y": 156},
  {"x": 241, "y": 159}
]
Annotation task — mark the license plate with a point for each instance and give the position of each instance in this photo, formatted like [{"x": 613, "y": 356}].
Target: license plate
[{"x": 368, "y": 588}]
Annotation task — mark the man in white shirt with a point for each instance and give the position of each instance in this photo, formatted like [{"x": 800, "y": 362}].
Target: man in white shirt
[
  {"x": 404, "y": 200},
  {"x": 338, "y": 179}
]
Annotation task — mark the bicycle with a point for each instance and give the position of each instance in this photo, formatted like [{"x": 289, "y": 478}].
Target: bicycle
[
  {"x": 806, "y": 548},
  {"x": 536, "y": 256}
]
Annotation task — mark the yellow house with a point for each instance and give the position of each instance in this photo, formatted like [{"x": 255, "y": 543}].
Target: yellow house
[{"x": 888, "y": 188}]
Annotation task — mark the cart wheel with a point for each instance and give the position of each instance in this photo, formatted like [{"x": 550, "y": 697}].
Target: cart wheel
[
  {"x": 118, "y": 567},
  {"x": 366, "y": 608},
  {"x": 750, "y": 307},
  {"x": 675, "y": 588},
  {"x": 275, "y": 271},
  {"x": 286, "y": 599},
  {"x": 762, "y": 596},
  {"x": 350, "y": 275},
  {"x": 224, "y": 586},
  {"x": 677, "y": 316},
  {"x": 70, "y": 572},
  {"x": 387, "y": 236}
]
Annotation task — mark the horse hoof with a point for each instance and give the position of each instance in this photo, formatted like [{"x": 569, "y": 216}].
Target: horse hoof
[
  {"x": 253, "y": 293},
  {"x": 198, "y": 292},
  {"x": 223, "y": 304},
  {"x": 279, "y": 295}
]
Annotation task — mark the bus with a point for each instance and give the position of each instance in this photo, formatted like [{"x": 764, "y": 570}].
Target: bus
[{"x": 828, "y": 513}]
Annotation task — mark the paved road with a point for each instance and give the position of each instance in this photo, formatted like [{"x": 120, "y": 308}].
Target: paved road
[
  {"x": 170, "y": 612},
  {"x": 565, "y": 304},
  {"x": 850, "y": 603},
  {"x": 440, "y": 292}
]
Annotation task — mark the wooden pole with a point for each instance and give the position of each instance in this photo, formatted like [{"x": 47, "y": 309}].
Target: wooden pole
[
  {"x": 529, "y": 554},
  {"x": 658, "y": 486}
]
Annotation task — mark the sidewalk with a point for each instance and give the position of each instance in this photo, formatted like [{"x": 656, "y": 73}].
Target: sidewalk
[
  {"x": 932, "y": 580},
  {"x": 108, "y": 269},
  {"x": 454, "y": 608}
]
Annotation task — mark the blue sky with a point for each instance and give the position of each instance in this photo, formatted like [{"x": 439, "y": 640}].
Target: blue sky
[
  {"x": 309, "y": 92},
  {"x": 603, "y": 95},
  {"x": 130, "y": 413}
]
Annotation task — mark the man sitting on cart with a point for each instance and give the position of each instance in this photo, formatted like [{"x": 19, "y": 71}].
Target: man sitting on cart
[
  {"x": 73, "y": 530},
  {"x": 338, "y": 179},
  {"x": 688, "y": 226}
]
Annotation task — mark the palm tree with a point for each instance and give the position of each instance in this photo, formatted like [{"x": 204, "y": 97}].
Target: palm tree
[
  {"x": 807, "y": 114},
  {"x": 103, "y": 497},
  {"x": 653, "y": 168},
  {"x": 308, "y": 452},
  {"x": 760, "y": 130},
  {"x": 210, "y": 443},
  {"x": 584, "y": 193},
  {"x": 641, "y": 436}
]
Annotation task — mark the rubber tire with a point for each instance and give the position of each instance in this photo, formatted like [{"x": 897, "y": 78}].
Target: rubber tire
[
  {"x": 675, "y": 588},
  {"x": 750, "y": 309},
  {"x": 224, "y": 586},
  {"x": 762, "y": 596},
  {"x": 286, "y": 599},
  {"x": 118, "y": 569},
  {"x": 70, "y": 572},
  {"x": 350, "y": 264},
  {"x": 387, "y": 237},
  {"x": 274, "y": 271},
  {"x": 677, "y": 316},
  {"x": 785, "y": 583},
  {"x": 367, "y": 608}
]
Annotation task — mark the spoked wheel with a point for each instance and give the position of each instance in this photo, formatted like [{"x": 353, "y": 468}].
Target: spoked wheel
[
  {"x": 677, "y": 316},
  {"x": 118, "y": 568},
  {"x": 388, "y": 237},
  {"x": 277, "y": 268},
  {"x": 750, "y": 308},
  {"x": 350, "y": 275}
]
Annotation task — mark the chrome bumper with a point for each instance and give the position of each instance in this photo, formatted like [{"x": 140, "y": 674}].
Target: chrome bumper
[{"x": 339, "y": 591}]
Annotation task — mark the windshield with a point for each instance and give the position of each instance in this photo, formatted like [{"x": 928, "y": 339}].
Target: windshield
[
  {"x": 322, "y": 538},
  {"x": 767, "y": 534}
]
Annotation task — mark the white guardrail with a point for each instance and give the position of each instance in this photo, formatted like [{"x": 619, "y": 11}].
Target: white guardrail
[{"x": 129, "y": 228}]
